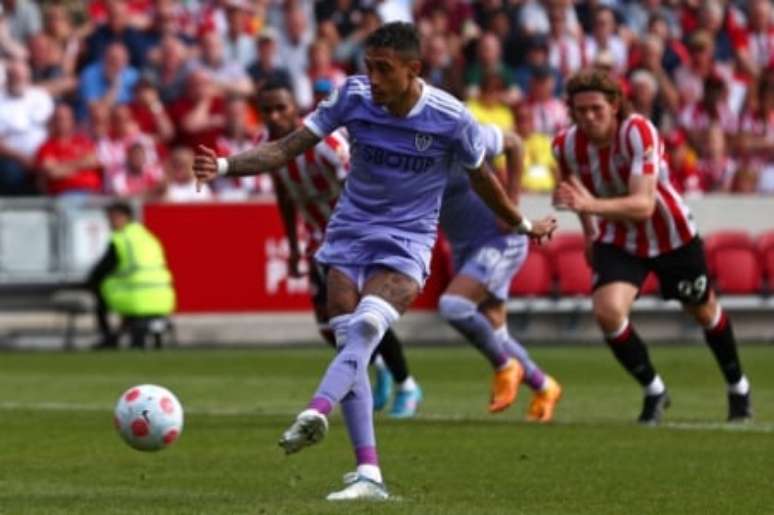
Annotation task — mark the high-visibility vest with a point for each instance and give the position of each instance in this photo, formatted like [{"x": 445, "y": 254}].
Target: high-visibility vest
[{"x": 141, "y": 284}]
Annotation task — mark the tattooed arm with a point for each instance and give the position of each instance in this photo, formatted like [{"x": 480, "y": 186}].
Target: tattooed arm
[{"x": 261, "y": 159}]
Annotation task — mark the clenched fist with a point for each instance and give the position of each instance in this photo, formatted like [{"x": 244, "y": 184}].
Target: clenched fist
[{"x": 205, "y": 166}]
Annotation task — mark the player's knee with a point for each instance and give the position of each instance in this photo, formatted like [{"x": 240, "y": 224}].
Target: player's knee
[
  {"x": 609, "y": 316},
  {"x": 705, "y": 314},
  {"x": 327, "y": 334},
  {"x": 365, "y": 325},
  {"x": 456, "y": 307},
  {"x": 372, "y": 318}
]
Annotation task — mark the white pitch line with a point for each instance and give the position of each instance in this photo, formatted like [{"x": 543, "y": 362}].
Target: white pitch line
[{"x": 753, "y": 427}]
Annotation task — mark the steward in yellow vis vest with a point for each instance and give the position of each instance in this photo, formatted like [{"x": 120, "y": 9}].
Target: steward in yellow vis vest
[
  {"x": 141, "y": 284},
  {"x": 131, "y": 279}
]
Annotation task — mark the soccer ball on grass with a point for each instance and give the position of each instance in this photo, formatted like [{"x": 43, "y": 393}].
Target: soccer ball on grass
[{"x": 148, "y": 417}]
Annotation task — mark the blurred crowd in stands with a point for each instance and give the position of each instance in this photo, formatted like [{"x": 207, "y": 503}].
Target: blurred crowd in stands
[{"x": 113, "y": 96}]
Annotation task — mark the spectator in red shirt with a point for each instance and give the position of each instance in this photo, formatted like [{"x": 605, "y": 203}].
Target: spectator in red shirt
[
  {"x": 143, "y": 177},
  {"x": 716, "y": 167},
  {"x": 683, "y": 165},
  {"x": 150, "y": 115},
  {"x": 199, "y": 114},
  {"x": 713, "y": 109},
  {"x": 236, "y": 138},
  {"x": 690, "y": 78},
  {"x": 549, "y": 113},
  {"x": 458, "y": 12},
  {"x": 68, "y": 159},
  {"x": 124, "y": 173}
]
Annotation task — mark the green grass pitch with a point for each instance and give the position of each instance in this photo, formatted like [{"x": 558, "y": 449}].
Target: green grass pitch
[{"x": 59, "y": 453}]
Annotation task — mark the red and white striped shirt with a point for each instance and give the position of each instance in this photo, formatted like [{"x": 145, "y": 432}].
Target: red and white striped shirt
[
  {"x": 313, "y": 181},
  {"x": 636, "y": 150}
]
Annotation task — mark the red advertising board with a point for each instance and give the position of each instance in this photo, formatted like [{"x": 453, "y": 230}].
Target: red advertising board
[{"x": 232, "y": 257}]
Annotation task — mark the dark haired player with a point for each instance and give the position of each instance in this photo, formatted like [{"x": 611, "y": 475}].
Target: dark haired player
[
  {"x": 378, "y": 243},
  {"x": 309, "y": 186}
]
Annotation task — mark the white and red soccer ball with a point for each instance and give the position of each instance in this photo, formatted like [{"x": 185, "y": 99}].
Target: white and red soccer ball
[{"x": 148, "y": 417}]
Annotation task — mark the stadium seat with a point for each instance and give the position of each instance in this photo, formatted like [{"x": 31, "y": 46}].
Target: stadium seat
[
  {"x": 534, "y": 278},
  {"x": 765, "y": 247},
  {"x": 569, "y": 263},
  {"x": 725, "y": 240},
  {"x": 737, "y": 271},
  {"x": 765, "y": 241},
  {"x": 733, "y": 262},
  {"x": 566, "y": 240},
  {"x": 650, "y": 286}
]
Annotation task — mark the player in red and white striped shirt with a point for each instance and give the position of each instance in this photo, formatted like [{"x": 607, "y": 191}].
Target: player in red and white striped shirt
[
  {"x": 309, "y": 186},
  {"x": 615, "y": 177}
]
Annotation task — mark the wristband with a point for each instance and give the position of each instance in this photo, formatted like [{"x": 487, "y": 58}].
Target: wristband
[
  {"x": 524, "y": 227},
  {"x": 222, "y": 165}
]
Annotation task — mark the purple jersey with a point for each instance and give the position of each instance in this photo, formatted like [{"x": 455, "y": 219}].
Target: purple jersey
[
  {"x": 466, "y": 221},
  {"x": 399, "y": 166}
]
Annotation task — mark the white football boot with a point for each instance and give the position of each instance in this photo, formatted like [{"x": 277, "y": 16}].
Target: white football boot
[
  {"x": 309, "y": 428},
  {"x": 359, "y": 488}
]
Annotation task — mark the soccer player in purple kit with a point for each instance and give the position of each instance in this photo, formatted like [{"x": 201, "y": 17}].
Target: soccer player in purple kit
[
  {"x": 486, "y": 257},
  {"x": 405, "y": 137}
]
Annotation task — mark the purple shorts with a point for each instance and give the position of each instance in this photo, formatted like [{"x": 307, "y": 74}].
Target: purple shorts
[
  {"x": 360, "y": 257},
  {"x": 494, "y": 263}
]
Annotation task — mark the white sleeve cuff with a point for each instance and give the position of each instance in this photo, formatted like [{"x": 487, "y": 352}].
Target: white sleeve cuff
[
  {"x": 499, "y": 140},
  {"x": 309, "y": 124},
  {"x": 222, "y": 165}
]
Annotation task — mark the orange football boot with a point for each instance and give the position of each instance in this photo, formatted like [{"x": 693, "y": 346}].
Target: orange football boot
[
  {"x": 505, "y": 385},
  {"x": 544, "y": 401}
]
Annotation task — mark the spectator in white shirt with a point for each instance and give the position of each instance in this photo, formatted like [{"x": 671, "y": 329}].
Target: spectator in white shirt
[
  {"x": 229, "y": 76},
  {"x": 564, "y": 48},
  {"x": 605, "y": 38},
  {"x": 237, "y": 43},
  {"x": 294, "y": 54},
  {"x": 24, "y": 114}
]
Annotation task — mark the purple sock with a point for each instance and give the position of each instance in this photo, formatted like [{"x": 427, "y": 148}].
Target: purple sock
[
  {"x": 367, "y": 456},
  {"x": 534, "y": 376},
  {"x": 536, "y": 379},
  {"x": 357, "y": 409},
  {"x": 321, "y": 404}
]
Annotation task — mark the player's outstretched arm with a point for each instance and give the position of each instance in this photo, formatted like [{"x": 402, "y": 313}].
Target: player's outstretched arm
[
  {"x": 486, "y": 185},
  {"x": 637, "y": 206},
  {"x": 263, "y": 158}
]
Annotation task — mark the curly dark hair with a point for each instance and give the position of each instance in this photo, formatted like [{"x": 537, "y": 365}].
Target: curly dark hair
[
  {"x": 601, "y": 82},
  {"x": 399, "y": 36}
]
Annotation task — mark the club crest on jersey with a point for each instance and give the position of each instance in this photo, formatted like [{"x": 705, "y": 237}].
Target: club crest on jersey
[{"x": 423, "y": 141}]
